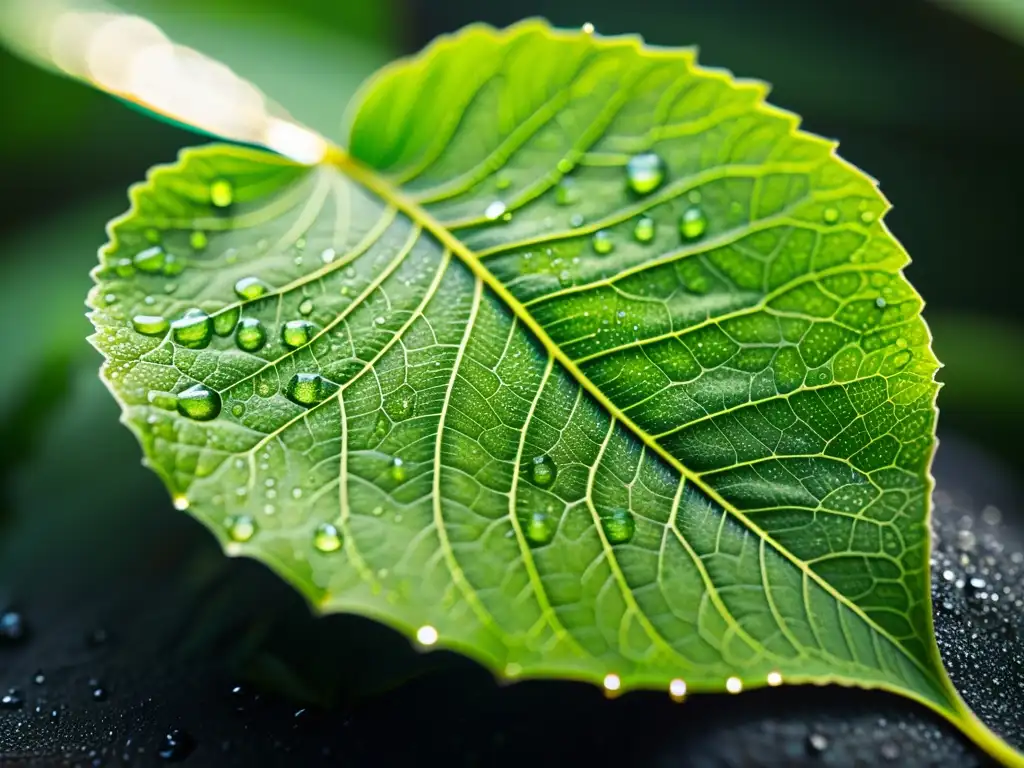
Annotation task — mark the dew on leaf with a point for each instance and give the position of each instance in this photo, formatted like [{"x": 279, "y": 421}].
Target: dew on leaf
[
  {"x": 238, "y": 410},
  {"x": 693, "y": 223},
  {"x": 224, "y": 322},
  {"x": 124, "y": 268},
  {"x": 250, "y": 335},
  {"x": 198, "y": 240},
  {"x": 222, "y": 194},
  {"x": 250, "y": 288},
  {"x": 495, "y": 211},
  {"x": 397, "y": 470},
  {"x": 645, "y": 172},
  {"x": 566, "y": 192},
  {"x": 619, "y": 526},
  {"x": 426, "y": 635},
  {"x": 307, "y": 389},
  {"x": 539, "y": 528},
  {"x": 328, "y": 255},
  {"x": 831, "y": 215},
  {"x": 241, "y": 528},
  {"x": 774, "y": 679},
  {"x": 612, "y": 682},
  {"x": 193, "y": 330},
  {"x": 150, "y": 325},
  {"x": 603, "y": 243},
  {"x": 165, "y": 400},
  {"x": 297, "y": 333},
  {"x": 543, "y": 470},
  {"x": 677, "y": 689},
  {"x": 576, "y": 221},
  {"x": 306, "y": 307},
  {"x": 327, "y": 538},
  {"x": 644, "y": 229},
  {"x": 150, "y": 260},
  {"x": 734, "y": 685},
  {"x": 199, "y": 403}
]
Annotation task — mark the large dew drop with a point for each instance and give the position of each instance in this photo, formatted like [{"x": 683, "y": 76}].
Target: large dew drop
[
  {"x": 327, "y": 538},
  {"x": 150, "y": 325},
  {"x": 224, "y": 322},
  {"x": 645, "y": 173},
  {"x": 250, "y": 288},
  {"x": 250, "y": 335},
  {"x": 199, "y": 403},
  {"x": 618, "y": 526},
  {"x": 543, "y": 471},
  {"x": 297, "y": 333},
  {"x": 539, "y": 529},
  {"x": 307, "y": 389},
  {"x": 193, "y": 330},
  {"x": 693, "y": 223}
]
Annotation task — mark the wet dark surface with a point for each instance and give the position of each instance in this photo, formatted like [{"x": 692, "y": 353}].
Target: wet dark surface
[{"x": 136, "y": 642}]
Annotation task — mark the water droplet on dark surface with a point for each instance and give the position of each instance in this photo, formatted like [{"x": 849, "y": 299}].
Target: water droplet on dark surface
[
  {"x": 176, "y": 745},
  {"x": 12, "y": 699},
  {"x": 13, "y": 628}
]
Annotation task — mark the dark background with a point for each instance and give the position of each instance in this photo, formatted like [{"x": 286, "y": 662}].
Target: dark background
[{"x": 119, "y": 593}]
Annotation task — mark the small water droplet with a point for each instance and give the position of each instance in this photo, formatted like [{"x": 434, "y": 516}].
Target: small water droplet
[
  {"x": 734, "y": 685},
  {"x": 328, "y": 255},
  {"x": 867, "y": 217},
  {"x": 173, "y": 266},
  {"x": 817, "y": 743},
  {"x": 306, "y": 307},
  {"x": 397, "y": 470},
  {"x": 175, "y": 746},
  {"x": 539, "y": 529},
  {"x": 150, "y": 325},
  {"x": 327, "y": 538},
  {"x": 426, "y": 635},
  {"x": 677, "y": 689},
  {"x": 198, "y": 240},
  {"x": 612, "y": 682},
  {"x": 250, "y": 335},
  {"x": 645, "y": 173},
  {"x": 12, "y": 699},
  {"x": 576, "y": 221},
  {"x": 124, "y": 268},
  {"x": 297, "y": 333},
  {"x": 241, "y": 528},
  {"x": 880, "y": 303},
  {"x": 603, "y": 243},
  {"x": 40, "y": 678},
  {"x": 693, "y": 223},
  {"x": 222, "y": 194},
  {"x": 193, "y": 330},
  {"x": 619, "y": 526},
  {"x": 566, "y": 192},
  {"x": 774, "y": 679},
  {"x": 238, "y": 410},
  {"x": 495, "y": 210},
  {"x": 150, "y": 260},
  {"x": 99, "y": 691},
  {"x": 587, "y": 28},
  {"x": 224, "y": 322},
  {"x": 543, "y": 471},
  {"x": 831, "y": 215},
  {"x": 644, "y": 230},
  {"x": 12, "y": 627},
  {"x": 308, "y": 389},
  {"x": 250, "y": 288},
  {"x": 199, "y": 403}
]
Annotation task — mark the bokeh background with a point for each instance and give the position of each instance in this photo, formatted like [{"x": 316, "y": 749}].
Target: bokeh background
[{"x": 148, "y": 640}]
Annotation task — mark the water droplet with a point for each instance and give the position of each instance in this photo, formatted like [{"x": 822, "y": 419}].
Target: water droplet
[
  {"x": 124, "y": 268},
  {"x": 307, "y": 389},
  {"x": 198, "y": 240},
  {"x": 327, "y": 538},
  {"x": 12, "y": 699},
  {"x": 99, "y": 692},
  {"x": 645, "y": 173},
  {"x": 831, "y": 215},
  {"x": 150, "y": 260},
  {"x": 867, "y": 217},
  {"x": 241, "y": 528},
  {"x": 612, "y": 682},
  {"x": 693, "y": 223},
  {"x": 238, "y": 410},
  {"x": 397, "y": 470},
  {"x": 603, "y": 243},
  {"x": 566, "y": 192},
  {"x": 297, "y": 333},
  {"x": 587, "y": 28},
  {"x": 40, "y": 678},
  {"x": 193, "y": 330},
  {"x": 173, "y": 266},
  {"x": 495, "y": 210},
  {"x": 150, "y": 325},
  {"x": 677, "y": 689},
  {"x": 734, "y": 685},
  {"x": 539, "y": 529},
  {"x": 222, "y": 194},
  {"x": 224, "y": 322},
  {"x": 543, "y": 470},
  {"x": 199, "y": 403},
  {"x": 250, "y": 288},
  {"x": 619, "y": 526},
  {"x": 426, "y": 635},
  {"x": 12, "y": 627},
  {"x": 328, "y": 255},
  {"x": 306, "y": 307},
  {"x": 175, "y": 746},
  {"x": 774, "y": 679},
  {"x": 817, "y": 742},
  {"x": 644, "y": 229},
  {"x": 164, "y": 400},
  {"x": 250, "y": 335},
  {"x": 576, "y": 221}
]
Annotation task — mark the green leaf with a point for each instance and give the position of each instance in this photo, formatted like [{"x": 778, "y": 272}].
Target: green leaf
[{"x": 503, "y": 378}]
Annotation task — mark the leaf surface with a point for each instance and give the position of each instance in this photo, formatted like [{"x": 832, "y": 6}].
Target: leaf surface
[{"x": 581, "y": 360}]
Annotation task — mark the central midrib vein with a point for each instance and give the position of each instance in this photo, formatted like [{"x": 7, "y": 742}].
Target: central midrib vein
[{"x": 372, "y": 181}]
